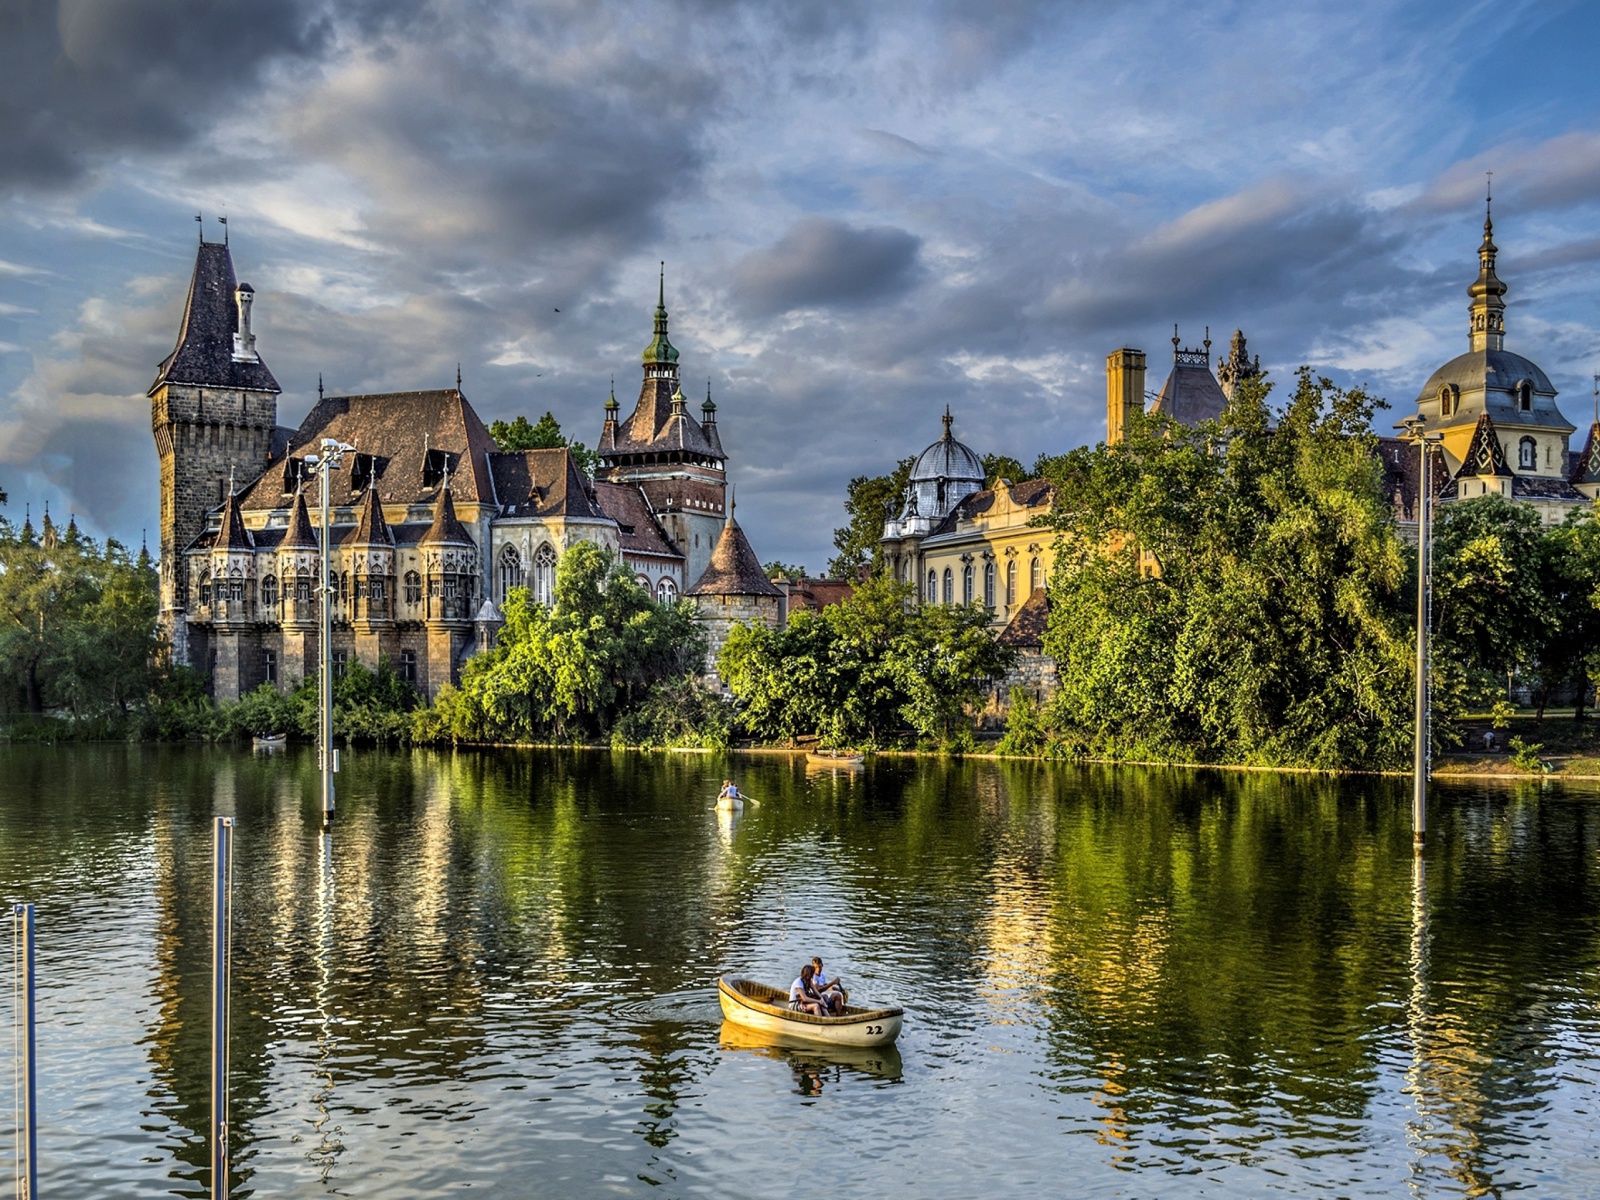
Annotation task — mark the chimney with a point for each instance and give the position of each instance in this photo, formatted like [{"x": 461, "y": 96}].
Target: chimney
[
  {"x": 244, "y": 342},
  {"x": 1124, "y": 391}
]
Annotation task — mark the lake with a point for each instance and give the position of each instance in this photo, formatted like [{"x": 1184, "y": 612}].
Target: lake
[{"x": 498, "y": 974}]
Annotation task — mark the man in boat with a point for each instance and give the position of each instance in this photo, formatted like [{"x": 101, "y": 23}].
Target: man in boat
[
  {"x": 729, "y": 796},
  {"x": 831, "y": 990},
  {"x": 803, "y": 994}
]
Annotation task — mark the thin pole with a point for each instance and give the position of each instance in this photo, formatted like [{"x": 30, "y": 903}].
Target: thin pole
[
  {"x": 27, "y": 1084},
  {"x": 1419, "y": 766},
  {"x": 325, "y": 666},
  {"x": 221, "y": 980}
]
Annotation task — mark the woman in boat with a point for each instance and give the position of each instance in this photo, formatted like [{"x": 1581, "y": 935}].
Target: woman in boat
[
  {"x": 831, "y": 990},
  {"x": 803, "y": 994},
  {"x": 729, "y": 796}
]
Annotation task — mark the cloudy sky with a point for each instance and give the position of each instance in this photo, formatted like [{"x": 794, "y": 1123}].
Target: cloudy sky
[{"x": 869, "y": 209}]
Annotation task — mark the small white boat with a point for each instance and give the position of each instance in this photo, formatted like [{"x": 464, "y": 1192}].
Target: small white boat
[
  {"x": 835, "y": 758},
  {"x": 270, "y": 741},
  {"x": 761, "y": 1006}
]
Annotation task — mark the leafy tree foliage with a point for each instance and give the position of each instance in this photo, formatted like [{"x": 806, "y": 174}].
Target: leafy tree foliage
[
  {"x": 783, "y": 570},
  {"x": 545, "y": 435},
  {"x": 1002, "y": 466},
  {"x": 1233, "y": 592},
  {"x": 77, "y": 623},
  {"x": 870, "y": 500},
  {"x": 860, "y": 672},
  {"x": 567, "y": 671}
]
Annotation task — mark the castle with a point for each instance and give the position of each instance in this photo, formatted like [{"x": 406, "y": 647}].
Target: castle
[{"x": 431, "y": 525}]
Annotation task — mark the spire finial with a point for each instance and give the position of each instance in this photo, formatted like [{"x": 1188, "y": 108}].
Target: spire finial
[
  {"x": 319, "y": 387},
  {"x": 947, "y": 420},
  {"x": 661, "y": 290},
  {"x": 1487, "y": 327},
  {"x": 201, "y": 222},
  {"x": 458, "y": 376},
  {"x": 1597, "y": 398},
  {"x": 1174, "y": 341},
  {"x": 1207, "y": 343},
  {"x": 223, "y": 221},
  {"x": 733, "y": 503}
]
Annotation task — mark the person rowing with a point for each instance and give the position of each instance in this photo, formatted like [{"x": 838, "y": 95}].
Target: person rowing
[
  {"x": 730, "y": 797},
  {"x": 832, "y": 991}
]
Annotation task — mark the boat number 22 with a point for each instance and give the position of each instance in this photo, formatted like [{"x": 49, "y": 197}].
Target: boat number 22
[{"x": 874, "y": 1028}]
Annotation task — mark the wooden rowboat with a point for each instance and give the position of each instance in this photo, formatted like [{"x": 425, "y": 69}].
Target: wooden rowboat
[
  {"x": 270, "y": 741},
  {"x": 835, "y": 758},
  {"x": 760, "y": 1006}
]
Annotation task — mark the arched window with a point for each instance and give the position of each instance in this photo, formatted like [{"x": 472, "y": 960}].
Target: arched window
[
  {"x": 1011, "y": 583},
  {"x": 1527, "y": 454},
  {"x": 644, "y": 582},
  {"x": 302, "y": 585},
  {"x": 932, "y": 595},
  {"x": 966, "y": 584},
  {"x": 510, "y": 571},
  {"x": 544, "y": 575},
  {"x": 269, "y": 592},
  {"x": 949, "y": 587},
  {"x": 666, "y": 591},
  {"x": 236, "y": 585},
  {"x": 1449, "y": 395},
  {"x": 205, "y": 587},
  {"x": 413, "y": 588},
  {"x": 988, "y": 585},
  {"x": 1035, "y": 576},
  {"x": 343, "y": 584},
  {"x": 1525, "y": 395}
]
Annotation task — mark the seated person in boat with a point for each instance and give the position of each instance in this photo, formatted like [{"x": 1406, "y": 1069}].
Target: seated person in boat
[
  {"x": 831, "y": 990},
  {"x": 729, "y": 794},
  {"x": 803, "y": 994}
]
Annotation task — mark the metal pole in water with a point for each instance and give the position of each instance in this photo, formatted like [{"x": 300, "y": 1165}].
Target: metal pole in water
[
  {"x": 325, "y": 657},
  {"x": 27, "y": 1090},
  {"x": 221, "y": 980}
]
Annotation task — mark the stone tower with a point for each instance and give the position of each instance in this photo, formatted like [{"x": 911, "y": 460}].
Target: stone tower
[
  {"x": 213, "y": 409},
  {"x": 675, "y": 460}
]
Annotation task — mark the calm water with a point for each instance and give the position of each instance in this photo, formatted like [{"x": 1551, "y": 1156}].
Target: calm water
[{"x": 499, "y": 976}]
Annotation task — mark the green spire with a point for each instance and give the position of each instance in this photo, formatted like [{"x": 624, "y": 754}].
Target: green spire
[
  {"x": 611, "y": 402},
  {"x": 660, "y": 351},
  {"x": 708, "y": 407}
]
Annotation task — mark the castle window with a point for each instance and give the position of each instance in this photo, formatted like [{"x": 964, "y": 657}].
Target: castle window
[
  {"x": 966, "y": 584},
  {"x": 1011, "y": 583},
  {"x": 413, "y": 588},
  {"x": 1524, "y": 396},
  {"x": 205, "y": 587},
  {"x": 1035, "y": 576},
  {"x": 510, "y": 571},
  {"x": 344, "y": 587},
  {"x": 408, "y": 666},
  {"x": 544, "y": 575},
  {"x": 375, "y": 588},
  {"x": 949, "y": 587},
  {"x": 932, "y": 593},
  {"x": 988, "y": 585},
  {"x": 341, "y": 662},
  {"x": 1449, "y": 398},
  {"x": 667, "y": 591},
  {"x": 269, "y": 594},
  {"x": 269, "y": 665},
  {"x": 1527, "y": 454},
  {"x": 302, "y": 586}
]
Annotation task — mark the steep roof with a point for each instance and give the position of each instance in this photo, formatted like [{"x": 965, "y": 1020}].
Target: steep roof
[
  {"x": 734, "y": 569},
  {"x": 657, "y": 424},
  {"x": 540, "y": 483},
  {"x": 1030, "y": 493},
  {"x": 1586, "y": 467},
  {"x": 1025, "y": 630},
  {"x": 371, "y": 529},
  {"x": 204, "y": 353},
  {"x": 402, "y": 439},
  {"x": 1191, "y": 394},
  {"x": 300, "y": 534},
  {"x": 231, "y": 534},
  {"x": 446, "y": 530},
  {"x": 638, "y": 531},
  {"x": 1485, "y": 456}
]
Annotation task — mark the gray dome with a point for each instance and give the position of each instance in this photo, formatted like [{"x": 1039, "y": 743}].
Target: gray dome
[
  {"x": 1492, "y": 370},
  {"x": 949, "y": 460}
]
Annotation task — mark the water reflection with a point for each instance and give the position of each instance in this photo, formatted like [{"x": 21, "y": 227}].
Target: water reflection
[{"x": 1240, "y": 983}]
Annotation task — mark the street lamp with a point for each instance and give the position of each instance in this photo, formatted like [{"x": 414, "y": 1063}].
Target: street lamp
[
  {"x": 1417, "y": 431},
  {"x": 331, "y": 459}
]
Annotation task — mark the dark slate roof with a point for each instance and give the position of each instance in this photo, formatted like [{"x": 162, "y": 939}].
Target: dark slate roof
[
  {"x": 300, "y": 535},
  {"x": 1542, "y": 487},
  {"x": 947, "y": 459},
  {"x": 638, "y": 531},
  {"x": 371, "y": 529},
  {"x": 734, "y": 569},
  {"x": 446, "y": 530},
  {"x": 1586, "y": 467},
  {"x": 1025, "y": 630},
  {"x": 231, "y": 533},
  {"x": 204, "y": 353},
  {"x": 1485, "y": 456},
  {"x": 1401, "y": 470},
  {"x": 405, "y": 436},
  {"x": 1031, "y": 493},
  {"x": 654, "y": 427},
  {"x": 1190, "y": 395},
  {"x": 540, "y": 483}
]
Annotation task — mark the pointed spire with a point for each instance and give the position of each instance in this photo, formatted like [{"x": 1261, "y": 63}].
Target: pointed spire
[
  {"x": 611, "y": 401},
  {"x": 371, "y": 527},
  {"x": 232, "y": 534},
  {"x": 27, "y": 523},
  {"x": 446, "y": 528},
  {"x": 947, "y": 423},
  {"x": 319, "y": 387},
  {"x": 301, "y": 534},
  {"x": 48, "y": 538},
  {"x": 660, "y": 352},
  {"x": 708, "y": 410},
  {"x": 211, "y": 331},
  {"x": 144, "y": 550},
  {"x": 1487, "y": 326},
  {"x": 458, "y": 377},
  {"x": 679, "y": 402},
  {"x": 72, "y": 536},
  {"x": 734, "y": 569}
]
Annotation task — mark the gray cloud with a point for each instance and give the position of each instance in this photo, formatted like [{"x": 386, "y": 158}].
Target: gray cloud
[{"x": 824, "y": 263}]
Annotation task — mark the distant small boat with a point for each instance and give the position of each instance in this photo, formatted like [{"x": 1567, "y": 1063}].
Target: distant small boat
[
  {"x": 270, "y": 741},
  {"x": 761, "y": 1006},
  {"x": 836, "y": 758}
]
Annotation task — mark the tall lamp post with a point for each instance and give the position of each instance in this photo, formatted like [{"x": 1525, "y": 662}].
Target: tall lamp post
[
  {"x": 1417, "y": 431},
  {"x": 331, "y": 458}
]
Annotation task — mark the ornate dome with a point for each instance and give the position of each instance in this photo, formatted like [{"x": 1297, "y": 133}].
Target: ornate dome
[
  {"x": 944, "y": 475},
  {"x": 948, "y": 460}
]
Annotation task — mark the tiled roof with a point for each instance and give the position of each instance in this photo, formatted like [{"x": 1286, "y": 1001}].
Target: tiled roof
[
  {"x": 446, "y": 530},
  {"x": 1485, "y": 456},
  {"x": 1538, "y": 487},
  {"x": 300, "y": 535},
  {"x": 734, "y": 569},
  {"x": 1190, "y": 395},
  {"x": 1025, "y": 630},
  {"x": 1586, "y": 467},
  {"x": 204, "y": 353},
  {"x": 638, "y": 532},
  {"x": 654, "y": 426},
  {"x": 540, "y": 483},
  {"x": 231, "y": 534},
  {"x": 404, "y": 439},
  {"x": 371, "y": 529},
  {"x": 1030, "y": 493}
]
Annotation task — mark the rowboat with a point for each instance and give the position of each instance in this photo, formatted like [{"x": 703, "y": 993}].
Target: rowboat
[
  {"x": 882, "y": 1062},
  {"x": 835, "y": 758},
  {"x": 761, "y": 1006},
  {"x": 270, "y": 741}
]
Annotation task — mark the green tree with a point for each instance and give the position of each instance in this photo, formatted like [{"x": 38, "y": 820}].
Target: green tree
[
  {"x": 1002, "y": 466},
  {"x": 545, "y": 435},
  {"x": 782, "y": 570},
  {"x": 870, "y": 500},
  {"x": 1566, "y": 652}
]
